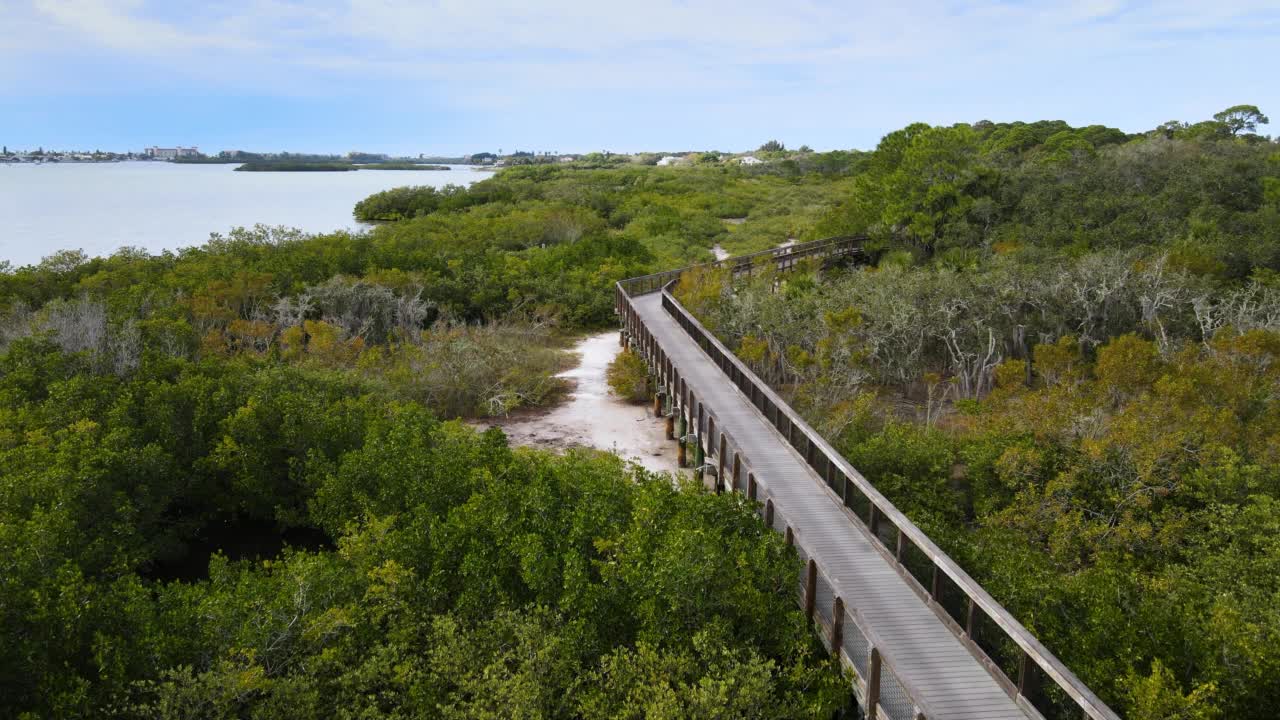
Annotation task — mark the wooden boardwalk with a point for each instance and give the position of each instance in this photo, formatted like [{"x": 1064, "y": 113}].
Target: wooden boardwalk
[
  {"x": 924, "y": 668},
  {"x": 926, "y": 640}
]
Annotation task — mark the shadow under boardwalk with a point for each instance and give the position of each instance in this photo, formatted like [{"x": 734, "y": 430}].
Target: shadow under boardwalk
[{"x": 948, "y": 679}]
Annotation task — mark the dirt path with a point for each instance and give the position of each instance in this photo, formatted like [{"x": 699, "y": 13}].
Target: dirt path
[{"x": 592, "y": 417}]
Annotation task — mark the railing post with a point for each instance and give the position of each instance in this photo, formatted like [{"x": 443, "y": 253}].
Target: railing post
[
  {"x": 837, "y": 626},
  {"x": 873, "y": 684},
  {"x": 724, "y": 449},
  {"x": 811, "y": 589},
  {"x": 970, "y": 612}
]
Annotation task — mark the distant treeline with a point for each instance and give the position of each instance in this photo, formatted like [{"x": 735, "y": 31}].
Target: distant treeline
[
  {"x": 294, "y": 166},
  {"x": 401, "y": 166},
  {"x": 325, "y": 166}
]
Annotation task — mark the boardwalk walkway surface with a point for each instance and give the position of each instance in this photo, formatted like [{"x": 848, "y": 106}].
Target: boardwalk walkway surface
[{"x": 927, "y": 656}]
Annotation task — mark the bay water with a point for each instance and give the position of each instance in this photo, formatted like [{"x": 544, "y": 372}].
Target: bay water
[{"x": 157, "y": 206}]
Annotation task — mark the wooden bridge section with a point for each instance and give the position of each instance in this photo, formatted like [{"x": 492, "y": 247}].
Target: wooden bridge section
[{"x": 924, "y": 639}]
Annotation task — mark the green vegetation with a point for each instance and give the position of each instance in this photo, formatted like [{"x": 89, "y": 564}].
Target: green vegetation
[
  {"x": 402, "y": 166},
  {"x": 409, "y": 202},
  {"x": 292, "y": 166},
  {"x": 1063, "y": 367},
  {"x": 225, "y": 492},
  {"x": 628, "y": 377},
  {"x": 208, "y": 160},
  {"x": 231, "y": 484},
  {"x": 452, "y": 577},
  {"x": 675, "y": 214},
  {"x": 295, "y": 166}
]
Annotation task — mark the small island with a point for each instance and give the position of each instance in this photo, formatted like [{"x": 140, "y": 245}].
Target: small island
[
  {"x": 311, "y": 166},
  {"x": 402, "y": 166},
  {"x": 295, "y": 166}
]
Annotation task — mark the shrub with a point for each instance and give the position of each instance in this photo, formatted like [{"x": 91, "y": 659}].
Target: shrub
[{"x": 628, "y": 377}]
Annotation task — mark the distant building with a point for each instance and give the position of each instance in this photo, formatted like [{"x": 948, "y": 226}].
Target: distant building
[
  {"x": 668, "y": 160},
  {"x": 160, "y": 153},
  {"x": 566, "y": 158},
  {"x": 750, "y": 160}
]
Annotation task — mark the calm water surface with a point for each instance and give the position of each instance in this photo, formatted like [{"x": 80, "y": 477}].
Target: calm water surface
[{"x": 162, "y": 206}]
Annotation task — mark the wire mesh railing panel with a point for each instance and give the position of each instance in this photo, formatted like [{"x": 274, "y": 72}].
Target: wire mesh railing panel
[
  {"x": 952, "y": 599},
  {"x": 917, "y": 563},
  {"x": 804, "y": 572},
  {"x": 824, "y": 599},
  {"x": 993, "y": 641},
  {"x": 856, "y": 646},
  {"x": 893, "y": 697},
  {"x": 857, "y": 501},
  {"x": 887, "y": 534}
]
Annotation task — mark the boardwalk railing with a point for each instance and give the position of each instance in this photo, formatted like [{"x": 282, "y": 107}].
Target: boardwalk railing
[{"x": 1013, "y": 656}]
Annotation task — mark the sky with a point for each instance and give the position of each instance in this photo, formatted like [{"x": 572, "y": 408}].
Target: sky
[{"x": 463, "y": 76}]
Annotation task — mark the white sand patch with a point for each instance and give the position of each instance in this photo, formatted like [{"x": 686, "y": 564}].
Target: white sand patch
[{"x": 593, "y": 417}]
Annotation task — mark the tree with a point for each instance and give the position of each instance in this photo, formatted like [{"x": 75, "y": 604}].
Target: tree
[
  {"x": 773, "y": 146},
  {"x": 1242, "y": 117}
]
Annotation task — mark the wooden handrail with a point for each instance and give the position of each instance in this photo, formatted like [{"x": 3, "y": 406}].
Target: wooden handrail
[{"x": 823, "y": 454}]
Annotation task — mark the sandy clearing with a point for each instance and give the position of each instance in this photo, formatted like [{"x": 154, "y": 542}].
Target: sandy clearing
[{"x": 592, "y": 417}]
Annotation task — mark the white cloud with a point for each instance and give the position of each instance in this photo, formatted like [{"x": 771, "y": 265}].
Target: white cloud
[
  {"x": 469, "y": 35},
  {"x": 123, "y": 25}
]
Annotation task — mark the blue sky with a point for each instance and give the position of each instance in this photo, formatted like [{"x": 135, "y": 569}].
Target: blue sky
[{"x": 452, "y": 76}]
